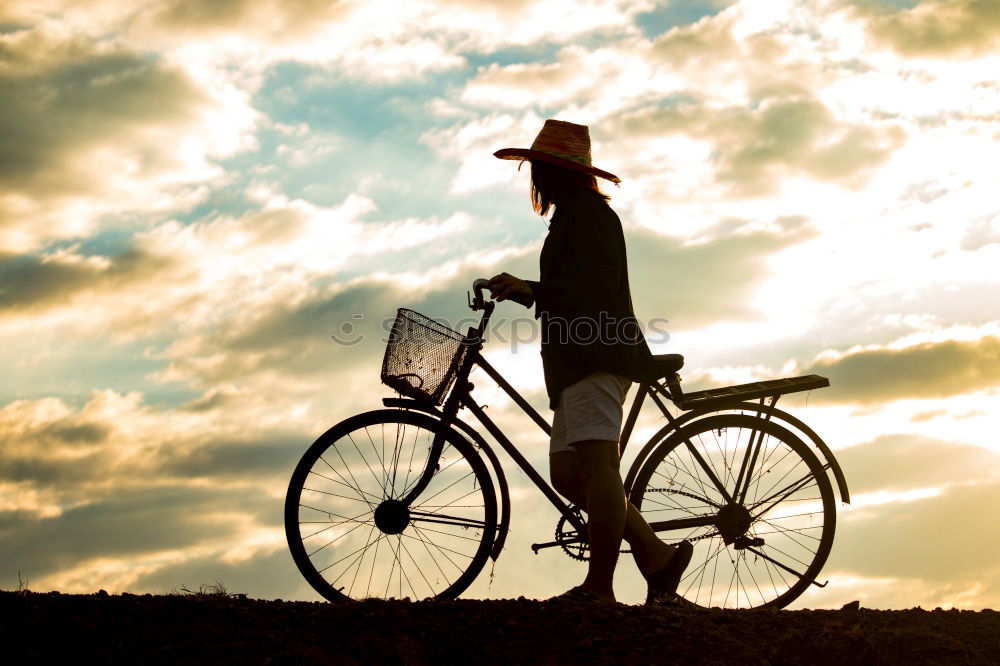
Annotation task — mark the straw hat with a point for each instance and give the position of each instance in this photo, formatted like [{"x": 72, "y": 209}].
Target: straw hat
[{"x": 563, "y": 144}]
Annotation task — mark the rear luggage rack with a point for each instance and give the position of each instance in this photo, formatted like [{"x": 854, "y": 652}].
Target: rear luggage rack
[{"x": 718, "y": 397}]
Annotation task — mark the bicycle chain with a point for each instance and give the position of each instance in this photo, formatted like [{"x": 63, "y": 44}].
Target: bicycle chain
[
  {"x": 576, "y": 550},
  {"x": 686, "y": 494},
  {"x": 707, "y": 535}
]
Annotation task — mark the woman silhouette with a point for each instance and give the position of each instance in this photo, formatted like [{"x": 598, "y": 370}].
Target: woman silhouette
[{"x": 592, "y": 350}]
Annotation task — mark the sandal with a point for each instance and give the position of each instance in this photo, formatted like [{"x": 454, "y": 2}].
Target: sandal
[
  {"x": 663, "y": 584},
  {"x": 579, "y": 594}
]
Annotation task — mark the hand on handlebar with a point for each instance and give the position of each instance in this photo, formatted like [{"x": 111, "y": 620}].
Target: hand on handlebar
[{"x": 507, "y": 287}]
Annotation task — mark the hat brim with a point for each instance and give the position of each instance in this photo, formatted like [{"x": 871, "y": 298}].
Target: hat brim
[{"x": 529, "y": 154}]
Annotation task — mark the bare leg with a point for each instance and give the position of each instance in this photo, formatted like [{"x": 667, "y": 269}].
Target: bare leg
[
  {"x": 649, "y": 552},
  {"x": 605, "y": 512}
]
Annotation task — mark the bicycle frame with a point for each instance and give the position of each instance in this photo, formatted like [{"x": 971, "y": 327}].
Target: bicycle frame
[
  {"x": 461, "y": 396},
  {"x": 658, "y": 391}
]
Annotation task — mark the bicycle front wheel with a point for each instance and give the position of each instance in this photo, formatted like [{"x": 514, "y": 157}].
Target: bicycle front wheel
[
  {"x": 352, "y": 537},
  {"x": 754, "y": 501}
]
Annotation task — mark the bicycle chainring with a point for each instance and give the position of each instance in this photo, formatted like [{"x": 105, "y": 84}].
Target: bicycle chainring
[{"x": 572, "y": 545}]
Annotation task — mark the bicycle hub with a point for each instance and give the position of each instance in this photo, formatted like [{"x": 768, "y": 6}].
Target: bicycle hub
[
  {"x": 733, "y": 522},
  {"x": 392, "y": 516}
]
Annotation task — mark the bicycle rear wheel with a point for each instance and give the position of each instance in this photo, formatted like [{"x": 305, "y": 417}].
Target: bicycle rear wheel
[
  {"x": 757, "y": 544},
  {"x": 350, "y": 535}
]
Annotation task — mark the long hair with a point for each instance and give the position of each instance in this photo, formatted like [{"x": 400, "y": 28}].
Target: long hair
[{"x": 555, "y": 186}]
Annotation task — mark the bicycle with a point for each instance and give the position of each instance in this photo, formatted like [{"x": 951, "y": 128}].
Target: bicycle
[{"x": 403, "y": 501}]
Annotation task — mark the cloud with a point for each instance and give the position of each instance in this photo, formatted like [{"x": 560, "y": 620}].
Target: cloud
[
  {"x": 125, "y": 488},
  {"x": 697, "y": 284},
  {"x": 938, "y": 28},
  {"x": 375, "y": 40},
  {"x": 472, "y": 144},
  {"x": 266, "y": 575},
  {"x": 295, "y": 338},
  {"x": 95, "y": 130},
  {"x": 198, "y": 274},
  {"x": 926, "y": 537},
  {"x": 232, "y": 460},
  {"x": 115, "y": 440},
  {"x": 579, "y": 76},
  {"x": 725, "y": 102},
  {"x": 282, "y": 21},
  {"x": 980, "y": 233},
  {"x": 785, "y": 132},
  {"x": 349, "y": 32},
  {"x": 936, "y": 538},
  {"x": 131, "y": 522},
  {"x": 33, "y": 282},
  {"x": 928, "y": 370},
  {"x": 901, "y": 462},
  {"x": 709, "y": 40}
]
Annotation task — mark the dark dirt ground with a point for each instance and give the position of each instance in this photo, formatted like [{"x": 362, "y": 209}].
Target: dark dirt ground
[{"x": 219, "y": 628}]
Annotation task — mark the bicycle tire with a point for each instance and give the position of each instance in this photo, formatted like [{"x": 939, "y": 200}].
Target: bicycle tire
[
  {"x": 338, "y": 513},
  {"x": 800, "y": 539}
]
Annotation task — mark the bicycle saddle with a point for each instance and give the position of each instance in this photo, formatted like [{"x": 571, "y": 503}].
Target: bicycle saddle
[{"x": 664, "y": 365}]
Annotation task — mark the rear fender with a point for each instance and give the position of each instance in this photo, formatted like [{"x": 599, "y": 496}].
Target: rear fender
[{"x": 775, "y": 414}]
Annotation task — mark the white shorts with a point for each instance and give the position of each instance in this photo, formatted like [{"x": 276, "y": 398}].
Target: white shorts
[{"x": 589, "y": 409}]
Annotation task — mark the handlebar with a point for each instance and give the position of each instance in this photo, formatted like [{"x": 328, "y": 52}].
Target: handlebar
[
  {"x": 479, "y": 303},
  {"x": 477, "y": 286}
]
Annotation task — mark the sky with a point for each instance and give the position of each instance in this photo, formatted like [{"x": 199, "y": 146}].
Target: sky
[{"x": 196, "y": 197}]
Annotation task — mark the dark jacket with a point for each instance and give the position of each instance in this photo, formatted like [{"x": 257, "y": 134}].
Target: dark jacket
[{"x": 582, "y": 298}]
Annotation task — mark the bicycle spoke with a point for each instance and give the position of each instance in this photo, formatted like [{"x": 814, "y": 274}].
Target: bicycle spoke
[
  {"x": 783, "y": 476},
  {"x": 365, "y": 461},
  {"x": 432, "y": 558},
  {"x": 432, "y": 548},
  {"x": 454, "y": 536},
  {"x": 361, "y": 562},
  {"x": 409, "y": 467},
  {"x": 756, "y": 585},
  {"x": 397, "y": 553},
  {"x": 696, "y": 465},
  {"x": 406, "y": 488},
  {"x": 333, "y": 541},
  {"x": 786, "y": 505},
  {"x": 450, "y": 485},
  {"x": 445, "y": 520},
  {"x": 784, "y": 492},
  {"x": 698, "y": 574},
  {"x": 345, "y": 519},
  {"x": 766, "y": 465},
  {"x": 378, "y": 456},
  {"x": 356, "y": 488},
  {"x": 361, "y": 493},
  {"x": 368, "y": 590},
  {"x": 353, "y": 552},
  {"x": 780, "y": 530},
  {"x": 729, "y": 589},
  {"x": 441, "y": 551},
  {"x": 416, "y": 566},
  {"x": 324, "y": 492}
]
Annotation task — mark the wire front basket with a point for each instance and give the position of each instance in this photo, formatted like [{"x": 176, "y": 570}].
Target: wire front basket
[{"x": 422, "y": 357}]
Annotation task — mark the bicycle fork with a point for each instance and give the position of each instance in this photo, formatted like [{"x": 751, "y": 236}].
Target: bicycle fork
[{"x": 473, "y": 339}]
